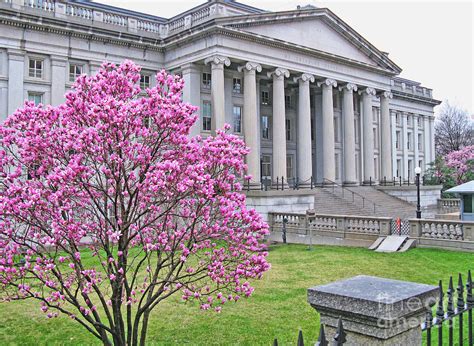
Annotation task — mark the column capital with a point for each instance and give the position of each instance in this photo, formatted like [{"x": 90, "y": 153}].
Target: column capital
[
  {"x": 386, "y": 94},
  {"x": 368, "y": 91},
  {"x": 348, "y": 87},
  {"x": 280, "y": 73},
  {"x": 305, "y": 77},
  {"x": 328, "y": 82},
  {"x": 218, "y": 60},
  {"x": 250, "y": 66}
]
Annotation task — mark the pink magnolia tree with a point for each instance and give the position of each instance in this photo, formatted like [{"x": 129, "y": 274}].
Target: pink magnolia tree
[
  {"x": 461, "y": 163},
  {"x": 107, "y": 207}
]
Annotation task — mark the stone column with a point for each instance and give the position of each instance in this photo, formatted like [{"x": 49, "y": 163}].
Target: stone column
[
  {"x": 279, "y": 131},
  {"x": 217, "y": 90},
  {"x": 349, "y": 134},
  {"x": 404, "y": 139},
  {"x": 394, "y": 145},
  {"x": 374, "y": 311},
  {"x": 192, "y": 92},
  {"x": 432, "y": 139},
  {"x": 16, "y": 72},
  {"x": 58, "y": 79},
  {"x": 415, "y": 142},
  {"x": 386, "y": 136},
  {"x": 251, "y": 120},
  {"x": 427, "y": 139},
  {"x": 368, "y": 147},
  {"x": 329, "y": 165},
  {"x": 304, "y": 147}
]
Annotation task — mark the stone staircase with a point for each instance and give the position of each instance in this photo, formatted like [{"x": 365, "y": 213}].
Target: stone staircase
[{"x": 341, "y": 201}]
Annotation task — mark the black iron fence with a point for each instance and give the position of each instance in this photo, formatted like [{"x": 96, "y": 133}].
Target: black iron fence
[
  {"x": 446, "y": 325},
  {"x": 338, "y": 340},
  {"x": 450, "y": 314}
]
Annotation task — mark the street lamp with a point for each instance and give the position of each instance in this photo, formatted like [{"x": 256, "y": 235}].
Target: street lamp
[{"x": 418, "y": 206}]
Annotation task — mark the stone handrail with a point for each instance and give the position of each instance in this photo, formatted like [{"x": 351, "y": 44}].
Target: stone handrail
[
  {"x": 131, "y": 23},
  {"x": 442, "y": 229},
  {"x": 335, "y": 223},
  {"x": 449, "y": 205}
]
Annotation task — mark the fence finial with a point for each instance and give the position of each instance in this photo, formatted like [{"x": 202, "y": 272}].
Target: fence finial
[
  {"x": 340, "y": 337},
  {"x": 322, "y": 341},
  {"x": 450, "y": 293},
  {"x": 300, "y": 338},
  {"x": 460, "y": 289},
  {"x": 469, "y": 287},
  {"x": 440, "y": 310}
]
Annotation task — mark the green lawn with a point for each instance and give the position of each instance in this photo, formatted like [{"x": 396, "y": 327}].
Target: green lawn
[{"x": 278, "y": 307}]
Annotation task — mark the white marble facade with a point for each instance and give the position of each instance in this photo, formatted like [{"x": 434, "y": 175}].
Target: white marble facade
[{"x": 310, "y": 96}]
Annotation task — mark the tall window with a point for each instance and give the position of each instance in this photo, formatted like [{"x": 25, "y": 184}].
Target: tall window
[
  {"x": 265, "y": 97},
  {"x": 236, "y": 85},
  {"x": 420, "y": 164},
  {"x": 376, "y": 137},
  {"x": 206, "y": 80},
  {"x": 206, "y": 116},
  {"x": 399, "y": 168},
  {"x": 397, "y": 118},
  {"x": 376, "y": 168},
  {"x": 288, "y": 101},
  {"x": 312, "y": 129},
  {"x": 266, "y": 166},
  {"x": 337, "y": 166},
  {"x": 36, "y": 97},
  {"x": 336, "y": 129},
  {"x": 289, "y": 166},
  {"x": 420, "y": 142},
  {"x": 144, "y": 81},
  {"x": 409, "y": 140},
  {"x": 75, "y": 70},
  {"x": 35, "y": 68},
  {"x": 410, "y": 168},
  {"x": 397, "y": 139},
  {"x": 356, "y": 129},
  {"x": 288, "y": 129},
  {"x": 237, "y": 115},
  {"x": 265, "y": 127}
]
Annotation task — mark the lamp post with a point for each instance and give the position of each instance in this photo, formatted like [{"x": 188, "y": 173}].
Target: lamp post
[{"x": 418, "y": 206}]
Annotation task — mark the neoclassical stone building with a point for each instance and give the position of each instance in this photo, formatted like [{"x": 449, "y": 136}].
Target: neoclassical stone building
[{"x": 310, "y": 96}]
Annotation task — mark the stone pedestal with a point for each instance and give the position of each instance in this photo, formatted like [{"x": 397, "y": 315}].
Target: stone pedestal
[{"x": 374, "y": 311}]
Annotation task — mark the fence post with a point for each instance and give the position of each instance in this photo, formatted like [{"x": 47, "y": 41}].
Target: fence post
[
  {"x": 415, "y": 228},
  {"x": 374, "y": 311}
]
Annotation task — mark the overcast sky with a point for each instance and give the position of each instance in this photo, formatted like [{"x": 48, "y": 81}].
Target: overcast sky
[{"x": 432, "y": 41}]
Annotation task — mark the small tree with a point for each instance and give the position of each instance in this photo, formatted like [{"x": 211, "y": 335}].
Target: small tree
[
  {"x": 107, "y": 207},
  {"x": 453, "y": 129},
  {"x": 461, "y": 162}
]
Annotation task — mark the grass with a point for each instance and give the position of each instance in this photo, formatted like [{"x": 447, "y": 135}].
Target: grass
[{"x": 278, "y": 307}]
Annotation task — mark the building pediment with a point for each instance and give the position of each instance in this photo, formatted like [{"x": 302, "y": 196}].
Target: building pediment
[{"x": 317, "y": 29}]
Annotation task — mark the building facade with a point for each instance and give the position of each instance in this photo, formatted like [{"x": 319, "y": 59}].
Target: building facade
[{"x": 311, "y": 97}]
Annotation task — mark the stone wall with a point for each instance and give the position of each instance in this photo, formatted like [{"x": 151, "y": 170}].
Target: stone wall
[
  {"x": 289, "y": 201},
  {"x": 429, "y": 195}
]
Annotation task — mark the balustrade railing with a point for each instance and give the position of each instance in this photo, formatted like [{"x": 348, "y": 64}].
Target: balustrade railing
[
  {"x": 46, "y": 5},
  {"x": 449, "y": 205},
  {"x": 439, "y": 229},
  {"x": 115, "y": 19},
  {"x": 148, "y": 26},
  {"x": 79, "y": 11}
]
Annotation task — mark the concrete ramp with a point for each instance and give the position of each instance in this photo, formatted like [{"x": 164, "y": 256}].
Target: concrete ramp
[
  {"x": 376, "y": 243},
  {"x": 410, "y": 243},
  {"x": 392, "y": 243}
]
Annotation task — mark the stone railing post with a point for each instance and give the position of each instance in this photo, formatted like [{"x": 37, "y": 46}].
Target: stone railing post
[
  {"x": 415, "y": 228},
  {"x": 374, "y": 311},
  {"x": 468, "y": 229},
  {"x": 385, "y": 226},
  {"x": 340, "y": 224}
]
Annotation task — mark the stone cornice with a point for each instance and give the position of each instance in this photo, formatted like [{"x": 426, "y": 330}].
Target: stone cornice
[
  {"x": 416, "y": 98},
  {"x": 328, "y": 17}
]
